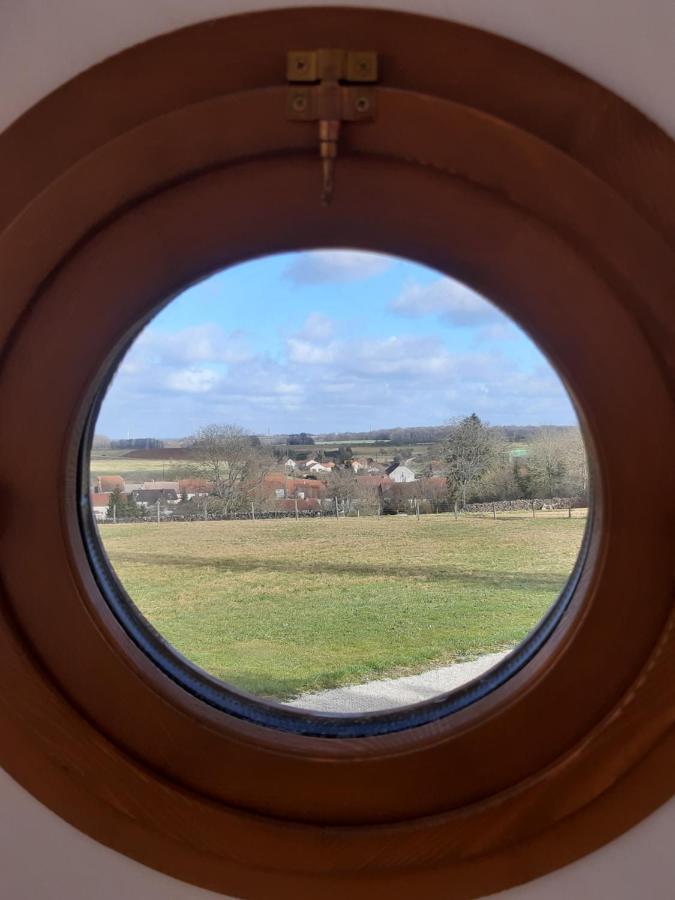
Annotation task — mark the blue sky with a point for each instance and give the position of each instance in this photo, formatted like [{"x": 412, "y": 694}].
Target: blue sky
[{"x": 328, "y": 340}]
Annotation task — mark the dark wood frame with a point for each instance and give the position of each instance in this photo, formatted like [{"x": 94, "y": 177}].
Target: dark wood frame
[{"x": 487, "y": 161}]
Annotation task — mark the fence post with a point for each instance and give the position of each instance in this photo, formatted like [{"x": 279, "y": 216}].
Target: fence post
[
  {"x": 494, "y": 511},
  {"x": 158, "y": 512},
  {"x": 295, "y": 501},
  {"x": 532, "y": 505},
  {"x": 114, "y": 514},
  {"x": 569, "y": 511},
  {"x": 337, "y": 513},
  {"x": 206, "y": 514},
  {"x": 253, "y": 512}
]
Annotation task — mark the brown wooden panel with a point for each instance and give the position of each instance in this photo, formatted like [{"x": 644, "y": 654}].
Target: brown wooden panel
[{"x": 534, "y": 186}]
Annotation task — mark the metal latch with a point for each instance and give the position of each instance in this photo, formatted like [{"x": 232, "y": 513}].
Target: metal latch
[{"x": 337, "y": 95}]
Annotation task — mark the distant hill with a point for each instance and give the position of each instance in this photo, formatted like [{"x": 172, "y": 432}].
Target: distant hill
[
  {"x": 420, "y": 434},
  {"x": 430, "y": 434}
]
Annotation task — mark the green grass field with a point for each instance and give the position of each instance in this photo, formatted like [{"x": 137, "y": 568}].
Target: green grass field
[
  {"x": 281, "y": 607},
  {"x": 131, "y": 469}
]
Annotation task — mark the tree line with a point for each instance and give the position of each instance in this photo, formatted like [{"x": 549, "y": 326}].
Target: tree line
[{"x": 482, "y": 467}]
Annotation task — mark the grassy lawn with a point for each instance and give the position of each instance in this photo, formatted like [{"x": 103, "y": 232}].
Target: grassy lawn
[{"x": 281, "y": 607}]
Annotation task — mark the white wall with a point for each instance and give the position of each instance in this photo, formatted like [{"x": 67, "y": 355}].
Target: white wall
[{"x": 626, "y": 45}]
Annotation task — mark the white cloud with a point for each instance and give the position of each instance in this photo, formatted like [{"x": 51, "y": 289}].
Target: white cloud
[
  {"x": 498, "y": 332},
  {"x": 330, "y": 374},
  {"x": 196, "y": 344},
  {"x": 450, "y": 300},
  {"x": 287, "y": 389},
  {"x": 307, "y": 353},
  {"x": 331, "y": 384},
  {"x": 393, "y": 356},
  {"x": 317, "y": 327},
  {"x": 336, "y": 266},
  {"x": 192, "y": 381},
  {"x": 399, "y": 356}
]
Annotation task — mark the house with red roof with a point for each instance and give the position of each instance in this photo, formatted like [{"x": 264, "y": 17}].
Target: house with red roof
[
  {"x": 99, "y": 501},
  {"x": 276, "y": 484},
  {"x": 194, "y": 487},
  {"x": 108, "y": 483}
]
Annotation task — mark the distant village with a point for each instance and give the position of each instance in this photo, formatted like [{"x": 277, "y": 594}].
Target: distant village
[
  {"x": 296, "y": 486},
  {"x": 222, "y": 472}
]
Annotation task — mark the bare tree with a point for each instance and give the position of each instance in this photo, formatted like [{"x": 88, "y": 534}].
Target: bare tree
[
  {"x": 432, "y": 489},
  {"x": 233, "y": 462},
  {"x": 343, "y": 486},
  {"x": 468, "y": 452},
  {"x": 546, "y": 461},
  {"x": 499, "y": 482},
  {"x": 576, "y": 462}
]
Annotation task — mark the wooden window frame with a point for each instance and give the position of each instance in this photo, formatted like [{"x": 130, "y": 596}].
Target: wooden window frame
[{"x": 486, "y": 161}]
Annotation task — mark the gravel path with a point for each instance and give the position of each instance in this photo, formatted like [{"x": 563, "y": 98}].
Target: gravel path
[{"x": 390, "y": 692}]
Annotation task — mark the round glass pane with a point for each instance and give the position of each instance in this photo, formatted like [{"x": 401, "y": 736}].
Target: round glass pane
[{"x": 339, "y": 482}]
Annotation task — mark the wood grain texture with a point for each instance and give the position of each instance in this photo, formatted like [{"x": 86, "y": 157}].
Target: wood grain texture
[{"x": 510, "y": 172}]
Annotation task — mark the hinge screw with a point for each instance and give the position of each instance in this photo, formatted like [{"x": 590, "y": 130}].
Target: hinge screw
[
  {"x": 362, "y": 104},
  {"x": 299, "y": 103}
]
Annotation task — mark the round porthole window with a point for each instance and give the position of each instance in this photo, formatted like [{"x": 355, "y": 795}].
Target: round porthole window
[
  {"x": 164, "y": 660},
  {"x": 336, "y": 482}
]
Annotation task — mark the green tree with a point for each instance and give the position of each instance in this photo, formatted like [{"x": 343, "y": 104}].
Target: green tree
[
  {"x": 524, "y": 479},
  {"x": 123, "y": 506},
  {"x": 117, "y": 505},
  {"x": 301, "y": 438},
  {"x": 468, "y": 452},
  {"x": 345, "y": 454},
  {"x": 131, "y": 509}
]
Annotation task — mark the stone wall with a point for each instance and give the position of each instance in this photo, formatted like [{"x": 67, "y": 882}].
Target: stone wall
[{"x": 512, "y": 505}]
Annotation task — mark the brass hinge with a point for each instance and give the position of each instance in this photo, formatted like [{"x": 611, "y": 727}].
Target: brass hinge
[{"x": 337, "y": 95}]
